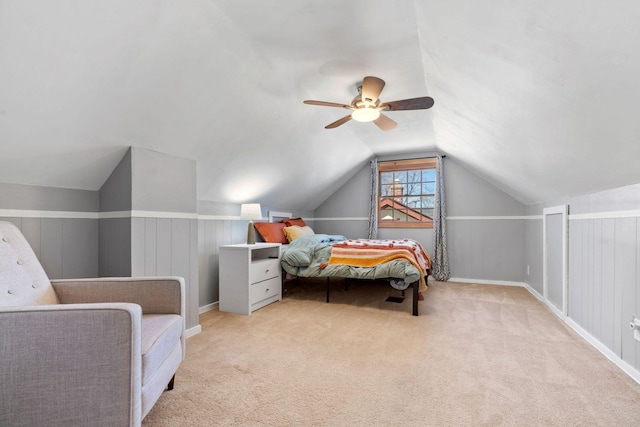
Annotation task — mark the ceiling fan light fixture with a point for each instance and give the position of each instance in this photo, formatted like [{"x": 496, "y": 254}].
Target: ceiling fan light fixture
[{"x": 366, "y": 114}]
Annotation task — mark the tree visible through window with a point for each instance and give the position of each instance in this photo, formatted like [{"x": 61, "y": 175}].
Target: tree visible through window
[{"x": 406, "y": 192}]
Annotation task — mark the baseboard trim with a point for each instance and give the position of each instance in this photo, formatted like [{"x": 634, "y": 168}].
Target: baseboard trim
[
  {"x": 487, "y": 282},
  {"x": 628, "y": 369},
  {"x": 193, "y": 331},
  {"x": 197, "y": 329},
  {"x": 550, "y": 306},
  {"x": 207, "y": 307},
  {"x": 603, "y": 349},
  {"x": 535, "y": 294}
]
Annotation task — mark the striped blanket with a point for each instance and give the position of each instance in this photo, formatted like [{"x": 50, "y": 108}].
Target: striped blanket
[{"x": 369, "y": 253}]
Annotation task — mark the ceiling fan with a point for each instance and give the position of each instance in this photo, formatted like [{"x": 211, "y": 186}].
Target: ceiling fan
[{"x": 367, "y": 107}]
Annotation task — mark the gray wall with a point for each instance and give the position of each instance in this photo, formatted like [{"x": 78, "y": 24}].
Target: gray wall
[
  {"x": 67, "y": 246},
  {"x": 114, "y": 255},
  {"x": 484, "y": 243},
  {"x": 533, "y": 254},
  {"x": 211, "y": 235},
  {"x": 30, "y": 197},
  {"x": 163, "y": 183},
  {"x": 168, "y": 247},
  {"x": 604, "y": 265},
  {"x": 554, "y": 259},
  {"x": 115, "y": 193},
  {"x": 487, "y": 246},
  {"x": 165, "y": 245}
]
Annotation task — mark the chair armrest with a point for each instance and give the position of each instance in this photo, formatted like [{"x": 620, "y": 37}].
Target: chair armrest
[
  {"x": 70, "y": 364},
  {"x": 156, "y": 295}
]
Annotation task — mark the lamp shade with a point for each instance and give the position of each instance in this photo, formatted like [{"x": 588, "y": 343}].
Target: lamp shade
[{"x": 250, "y": 211}]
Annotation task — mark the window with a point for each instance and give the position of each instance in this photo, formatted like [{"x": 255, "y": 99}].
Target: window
[{"x": 407, "y": 193}]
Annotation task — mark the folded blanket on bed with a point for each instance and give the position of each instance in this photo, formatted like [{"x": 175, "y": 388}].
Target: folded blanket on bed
[{"x": 369, "y": 253}]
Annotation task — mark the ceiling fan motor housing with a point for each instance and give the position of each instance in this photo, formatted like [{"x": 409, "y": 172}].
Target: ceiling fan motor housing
[{"x": 358, "y": 102}]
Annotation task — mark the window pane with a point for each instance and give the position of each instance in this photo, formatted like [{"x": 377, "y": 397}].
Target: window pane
[
  {"x": 387, "y": 214},
  {"x": 386, "y": 177},
  {"x": 414, "y": 176},
  {"x": 413, "y": 202},
  {"x": 428, "y": 174},
  {"x": 428, "y": 188},
  {"x": 385, "y": 190},
  {"x": 398, "y": 214},
  {"x": 400, "y": 176},
  {"x": 428, "y": 202},
  {"x": 414, "y": 189}
]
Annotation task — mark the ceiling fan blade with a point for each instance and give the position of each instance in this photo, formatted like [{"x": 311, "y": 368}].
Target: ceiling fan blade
[
  {"x": 337, "y": 123},
  {"x": 385, "y": 123},
  {"x": 409, "y": 104},
  {"x": 327, "y": 104},
  {"x": 371, "y": 88}
]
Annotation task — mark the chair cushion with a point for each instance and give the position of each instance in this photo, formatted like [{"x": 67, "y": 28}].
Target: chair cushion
[
  {"x": 160, "y": 333},
  {"x": 22, "y": 278}
]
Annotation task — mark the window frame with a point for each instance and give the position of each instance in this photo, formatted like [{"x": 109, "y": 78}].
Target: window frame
[{"x": 425, "y": 163}]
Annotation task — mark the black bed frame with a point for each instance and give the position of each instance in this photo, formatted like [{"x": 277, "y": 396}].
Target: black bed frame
[{"x": 415, "y": 285}]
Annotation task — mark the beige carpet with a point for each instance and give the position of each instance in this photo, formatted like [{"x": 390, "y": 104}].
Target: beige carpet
[{"x": 478, "y": 355}]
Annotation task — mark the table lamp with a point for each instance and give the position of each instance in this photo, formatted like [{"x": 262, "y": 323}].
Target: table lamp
[{"x": 250, "y": 211}]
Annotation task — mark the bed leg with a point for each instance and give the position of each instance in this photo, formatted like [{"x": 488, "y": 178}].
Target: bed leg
[
  {"x": 328, "y": 286},
  {"x": 416, "y": 289}
]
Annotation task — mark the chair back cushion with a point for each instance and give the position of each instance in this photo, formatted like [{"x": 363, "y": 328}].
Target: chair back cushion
[{"x": 22, "y": 278}]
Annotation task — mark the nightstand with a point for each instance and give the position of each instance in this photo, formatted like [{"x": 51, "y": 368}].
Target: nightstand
[{"x": 249, "y": 277}]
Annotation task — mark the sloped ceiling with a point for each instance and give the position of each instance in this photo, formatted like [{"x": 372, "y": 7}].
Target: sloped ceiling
[{"x": 538, "y": 98}]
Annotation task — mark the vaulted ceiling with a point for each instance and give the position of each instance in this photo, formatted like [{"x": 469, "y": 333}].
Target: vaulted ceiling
[{"x": 539, "y": 98}]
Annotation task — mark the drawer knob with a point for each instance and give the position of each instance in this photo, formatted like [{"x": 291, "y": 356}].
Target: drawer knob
[
  {"x": 267, "y": 270},
  {"x": 267, "y": 290}
]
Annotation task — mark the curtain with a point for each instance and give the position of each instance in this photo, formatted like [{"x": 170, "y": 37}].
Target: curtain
[
  {"x": 373, "y": 201},
  {"x": 440, "y": 261}
]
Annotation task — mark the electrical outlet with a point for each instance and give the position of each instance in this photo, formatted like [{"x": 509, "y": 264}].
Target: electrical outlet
[
  {"x": 528, "y": 270},
  {"x": 635, "y": 325}
]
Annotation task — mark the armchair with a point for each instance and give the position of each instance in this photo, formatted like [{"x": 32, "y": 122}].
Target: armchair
[{"x": 82, "y": 352}]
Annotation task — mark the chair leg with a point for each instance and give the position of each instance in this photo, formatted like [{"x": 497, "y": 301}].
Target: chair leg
[{"x": 170, "y": 385}]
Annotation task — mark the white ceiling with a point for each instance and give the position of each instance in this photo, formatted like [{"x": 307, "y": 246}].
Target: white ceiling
[{"x": 538, "y": 97}]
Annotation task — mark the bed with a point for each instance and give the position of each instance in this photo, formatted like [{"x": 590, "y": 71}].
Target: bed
[{"x": 304, "y": 253}]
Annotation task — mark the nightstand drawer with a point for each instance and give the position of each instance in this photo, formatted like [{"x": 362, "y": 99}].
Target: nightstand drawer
[
  {"x": 263, "y": 290},
  {"x": 264, "y": 269}
]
